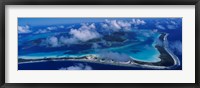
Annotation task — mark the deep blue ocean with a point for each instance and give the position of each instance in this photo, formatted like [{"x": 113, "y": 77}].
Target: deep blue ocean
[
  {"x": 175, "y": 35},
  {"x": 58, "y": 65}
]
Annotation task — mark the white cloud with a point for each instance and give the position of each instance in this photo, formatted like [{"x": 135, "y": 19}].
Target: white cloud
[
  {"x": 171, "y": 27},
  {"x": 104, "y": 26},
  {"x": 41, "y": 31},
  {"x": 24, "y": 29},
  {"x": 51, "y": 28},
  {"x": 114, "y": 56},
  {"x": 116, "y": 25},
  {"x": 92, "y": 26},
  {"x": 84, "y": 35},
  {"x": 86, "y": 26},
  {"x": 120, "y": 25},
  {"x": 85, "y": 32},
  {"x": 138, "y": 22},
  {"x": 48, "y": 29},
  {"x": 59, "y": 41},
  {"x": 159, "y": 26},
  {"x": 67, "y": 41},
  {"x": 52, "y": 41},
  {"x": 77, "y": 67},
  {"x": 125, "y": 25},
  {"x": 173, "y": 22}
]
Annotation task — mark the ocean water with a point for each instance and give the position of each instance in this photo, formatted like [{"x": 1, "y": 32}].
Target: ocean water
[
  {"x": 67, "y": 65},
  {"x": 174, "y": 36},
  {"x": 139, "y": 45}
]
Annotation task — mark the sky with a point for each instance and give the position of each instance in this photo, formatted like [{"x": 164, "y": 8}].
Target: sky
[{"x": 52, "y": 21}]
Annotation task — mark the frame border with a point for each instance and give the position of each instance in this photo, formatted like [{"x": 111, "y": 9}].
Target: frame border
[{"x": 3, "y": 3}]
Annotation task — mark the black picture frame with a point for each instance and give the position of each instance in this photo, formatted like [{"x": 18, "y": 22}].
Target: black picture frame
[{"x": 98, "y": 2}]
